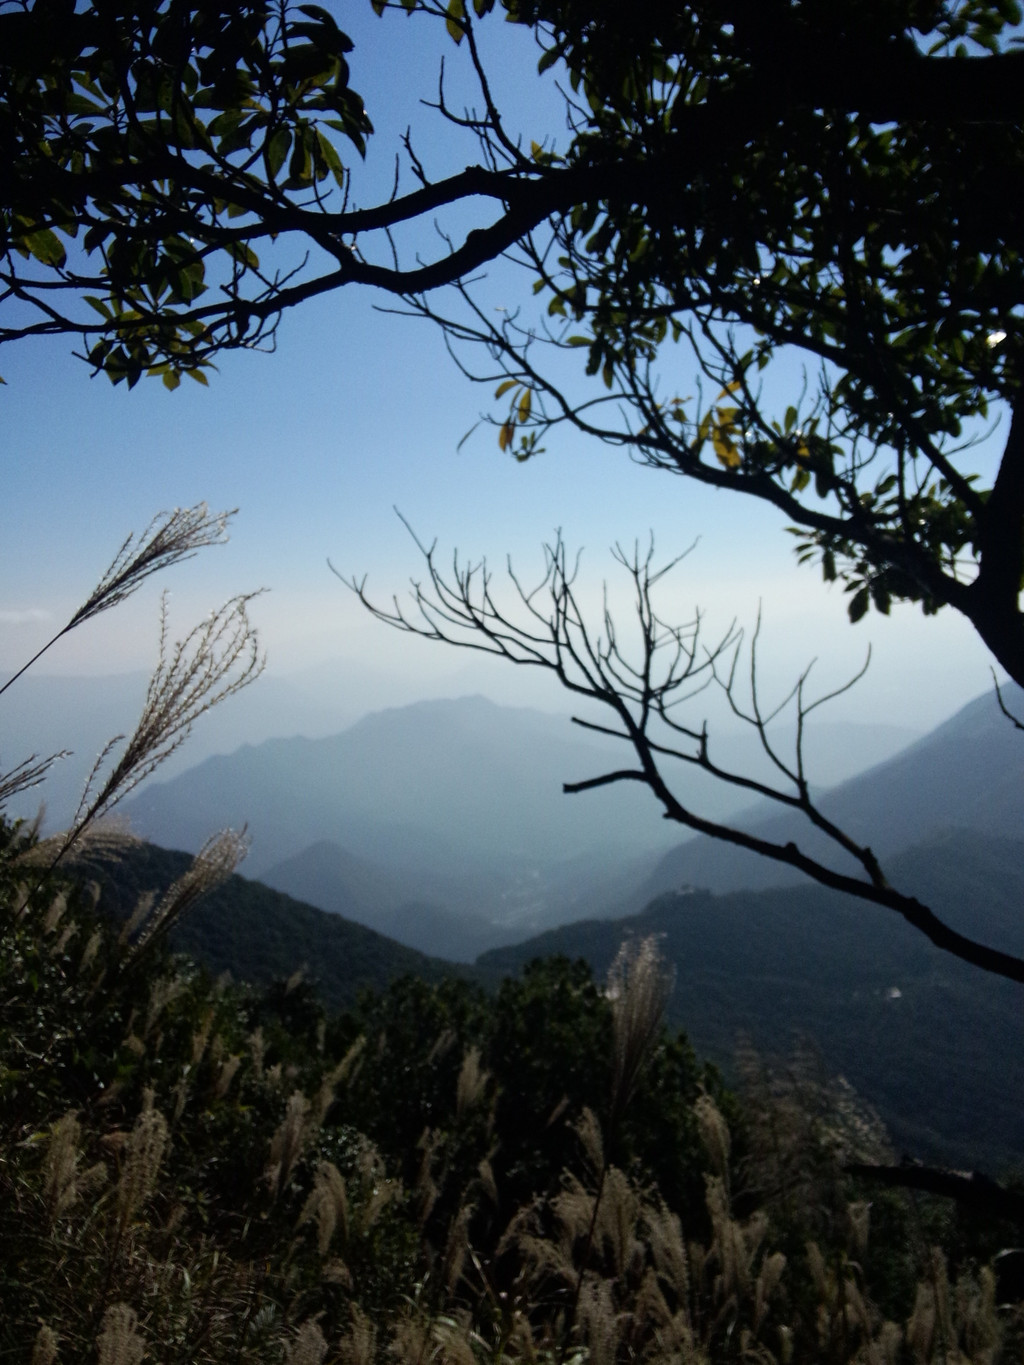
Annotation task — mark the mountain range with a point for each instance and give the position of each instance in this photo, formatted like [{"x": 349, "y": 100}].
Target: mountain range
[
  {"x": 443, "y": 825},
  {"x": 967, "y": 773},
  {"x": 447, "y": 816}
]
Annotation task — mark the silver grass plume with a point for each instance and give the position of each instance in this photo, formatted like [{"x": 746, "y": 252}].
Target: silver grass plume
[
  {"x": 588, "y": 1130},
  {"x": 60, "y": 1167},
  {"x": 921, "y": 1325},
  {"x": 453, "y": 1333},
  {"x": 358, "y": 1346},
  {"x": 55, "y": 912},
  {"x": 164, "y": 991},
  {"x": 668, "y": 1249},
  {"x": 29, "y": 773},
  {"x": 638, "y": 987},
  {"x": 109, "y": 839},
  {"x": 617, "y": 1217},
  {"x": 143, "y": 1153},
  {"x": 168, "y": 539},
  {"x": 257, "y": 1050},
  {"x": 858, "y": 1219},
  {"x": 327, "y": 1206},
  {"x": 308, "y": 1346},
  {"x": 44, "y": 1349},
  {"x": 769, "y": 1278},
  {"x": 226, "y": 1074},
  {"x": 431, "y": 1141},
  {"x": 90, "y": 952},
  {"x": 410, "y": 1339},
  {"x": 383, "y": 1189},
  {"x": 472, "y": 1083},
  {"x": 735, "y": 1245},
  {"x": 287, "y": 1143},
  {"x": 332, "y": 1079},
  {"x": 714, "y": 1133},
  {"x": 457, "y": 1246},
  {"x": 600, "y": 1326},
  {"x": 119, "y": 1342},
  {"x": 215, "y": 660},
  {"x": 212, "y": 865}
]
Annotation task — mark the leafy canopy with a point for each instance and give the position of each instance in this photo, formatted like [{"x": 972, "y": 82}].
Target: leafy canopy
[
  {"x": 742, "y": 177},
  {"x": 151, "y": 149},
  {"x": 835, "y": 179}
]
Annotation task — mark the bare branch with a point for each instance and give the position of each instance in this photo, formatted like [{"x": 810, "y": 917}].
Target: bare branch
[
  {"x": 1017, "y": 724},
  {"x": 546, "y": 627}
]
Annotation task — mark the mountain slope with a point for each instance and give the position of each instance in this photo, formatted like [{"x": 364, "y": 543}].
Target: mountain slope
[
  {"x": 394, "y": 904},
  {"x": 409, "y": 787},
  {"x": 258, "y": 934},
  {"x": 936, "y": 1046},
  {"x": 968, "y": 773}
]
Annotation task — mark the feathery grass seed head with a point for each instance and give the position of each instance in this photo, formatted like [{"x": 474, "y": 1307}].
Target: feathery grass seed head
[
  {"x": 212, "y": 865},
  {"x": 119, "y": 1342},
  {"x": 287, "y": 1143},
  {"x": 170, "y": 538},
  {"x": 308, "y": 1346},
  {"x": 216, "y": 659},
  {"x": 358, "y": 1345},
  {"x": 327, "y": 1205},
  {"x": 714, "y": 1132},
  {"x": 143, "y": 1153},
  {"x": 471, "y": 1084},
  {"x": 638, "y": 987},
  {"x": 60, "y": 1188},
  {"x": 44, "y": 1348}
]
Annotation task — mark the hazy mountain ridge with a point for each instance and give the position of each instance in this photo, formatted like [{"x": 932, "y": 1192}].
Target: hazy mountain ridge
[
  {"x": 454, "y": 804},
  {"x": 337, "y": 882},
  {"x": 444, "y": 823},
  {"x": 417, "y": 909},
  {"x": 446, "y": 769},
  {"x": 967, "y": 773},
  {"x": 48, "y": 712}
]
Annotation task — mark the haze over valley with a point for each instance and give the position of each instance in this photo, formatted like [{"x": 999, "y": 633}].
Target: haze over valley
[{"x": 439, "y": 831}]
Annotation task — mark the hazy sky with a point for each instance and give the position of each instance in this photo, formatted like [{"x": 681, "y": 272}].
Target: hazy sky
[{"x": 358, "y": 412}]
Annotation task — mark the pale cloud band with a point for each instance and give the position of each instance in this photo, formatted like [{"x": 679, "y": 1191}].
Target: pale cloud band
[{"x": 23, "y": 618}]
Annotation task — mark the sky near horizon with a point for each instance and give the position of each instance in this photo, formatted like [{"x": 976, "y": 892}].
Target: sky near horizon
[{"x": 358, "y": 412}]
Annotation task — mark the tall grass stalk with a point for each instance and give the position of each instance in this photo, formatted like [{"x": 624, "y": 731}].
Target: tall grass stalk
[
  {"x": 215, "y": 660},
  {"x": 168, "y": 539},
  {"x": 638, "y": 987}
]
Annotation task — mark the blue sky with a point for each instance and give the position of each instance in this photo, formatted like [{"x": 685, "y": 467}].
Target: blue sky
[{"x": 358, "y": 412}]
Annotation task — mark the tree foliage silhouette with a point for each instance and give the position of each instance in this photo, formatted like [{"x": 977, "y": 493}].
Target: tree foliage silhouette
[{"x": 742, "y": 179}]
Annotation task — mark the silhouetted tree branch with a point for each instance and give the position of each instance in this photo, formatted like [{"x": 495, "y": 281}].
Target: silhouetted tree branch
[{"x": 647, "y": 684}]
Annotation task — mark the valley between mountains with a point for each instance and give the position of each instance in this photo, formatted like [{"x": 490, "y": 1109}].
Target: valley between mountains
[{"x": 435, "y": 839}]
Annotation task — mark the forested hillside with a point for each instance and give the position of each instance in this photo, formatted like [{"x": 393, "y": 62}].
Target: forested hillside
[
  {"x": 926, "y": 1040},
  {"x": 933, "y": 1044},
  {"x": 257, "y": 934},
  {"x": 213, "y": 1173}
]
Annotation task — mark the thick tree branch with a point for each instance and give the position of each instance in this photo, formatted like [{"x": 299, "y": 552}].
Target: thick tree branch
[
  {"x": 971, "y": 1188},
  {"x": 994, "y": 597}
]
